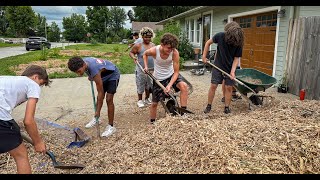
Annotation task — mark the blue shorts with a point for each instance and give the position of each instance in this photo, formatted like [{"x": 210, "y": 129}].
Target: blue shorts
[{"x": 110, "y": 87}]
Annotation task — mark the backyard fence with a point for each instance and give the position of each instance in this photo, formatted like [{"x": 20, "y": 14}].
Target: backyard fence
[{"x": 303, "y": 57}]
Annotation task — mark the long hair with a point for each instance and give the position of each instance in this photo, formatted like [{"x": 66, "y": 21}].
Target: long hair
[{"x": 234, "y": 34}]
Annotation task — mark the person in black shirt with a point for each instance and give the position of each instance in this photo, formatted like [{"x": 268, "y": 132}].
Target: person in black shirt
[{"x": 229, "y": 50}]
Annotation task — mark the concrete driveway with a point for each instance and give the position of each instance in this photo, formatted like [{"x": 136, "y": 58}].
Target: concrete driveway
[{"x": 13, "y": 51}]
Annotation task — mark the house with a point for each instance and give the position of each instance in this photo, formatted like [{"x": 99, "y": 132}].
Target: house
[
  {"x": 267, "y": 33},
  {"x": 137, "y": 26}
]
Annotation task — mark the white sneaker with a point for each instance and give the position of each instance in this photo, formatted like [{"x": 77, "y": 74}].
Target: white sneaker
[
  {"x": 140, "y": 104},
  {"x": 147, "y": 101},
  {"x": 109, "y": 130},
  {"x": 92, "y": 123}
]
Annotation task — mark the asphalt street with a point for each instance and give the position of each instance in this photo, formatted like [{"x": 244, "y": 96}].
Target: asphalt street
[{"x": 13, "y": 51}]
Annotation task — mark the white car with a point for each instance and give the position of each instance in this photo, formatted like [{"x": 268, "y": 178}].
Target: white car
[{"x": 6, "y": 41}]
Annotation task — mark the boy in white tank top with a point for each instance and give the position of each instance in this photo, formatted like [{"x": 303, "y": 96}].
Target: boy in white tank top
[{"x": 166, "y": 70}]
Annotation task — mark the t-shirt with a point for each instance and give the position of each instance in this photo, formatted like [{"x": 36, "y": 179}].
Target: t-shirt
[
  {"x": 139, "y": 40},
  {"x": 225, "y": 52},
  {"x": 15, "y": 90},
  {"x": 96, "y": 64}
]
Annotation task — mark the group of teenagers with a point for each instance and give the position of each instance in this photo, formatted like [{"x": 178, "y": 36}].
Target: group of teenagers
[{"x": 162, "y": 60}]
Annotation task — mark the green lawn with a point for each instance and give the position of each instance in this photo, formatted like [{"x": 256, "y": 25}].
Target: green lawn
[
  {"x": 9, "y": 45},
  {"x": 113, "y": 52}
]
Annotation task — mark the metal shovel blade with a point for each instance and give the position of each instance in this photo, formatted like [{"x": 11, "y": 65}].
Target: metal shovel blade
[{"x": 61, "y": 165}]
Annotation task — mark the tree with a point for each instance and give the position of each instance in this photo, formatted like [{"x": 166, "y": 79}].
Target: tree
[
  {"x": 131, "y": 16},
  {"x": 4, "y": 24},
  {"x": 54, "y": 32},
  {"x": 21, "y": 20},
  {"x": 157, "y": 13},
  {"x": 99, "y": 19},
  {"x": 118, "y": 17},
  {"x": 75, "y": 28},
  {"x": 41, "y": 25}
]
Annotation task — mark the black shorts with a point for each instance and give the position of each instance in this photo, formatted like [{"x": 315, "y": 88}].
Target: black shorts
[
  {"x": 157, "y": 92},
  {"x": 217, "y": 77},
  {"x": 110, "y": 87},
  {"x": 10, "y": 136}
]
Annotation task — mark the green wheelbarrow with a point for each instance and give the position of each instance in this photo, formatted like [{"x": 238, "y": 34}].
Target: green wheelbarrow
[
  {"x": 249, "y": 80},
  {"x": 256, "y": 81}
]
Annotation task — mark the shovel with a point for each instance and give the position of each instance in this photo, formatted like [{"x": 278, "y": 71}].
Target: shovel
[
  {"x": 55, "y": 163},
  {"x": 235, "y": 79},
  {"x": 175, "y": 105},
  {"x": 95, "y": 109}
]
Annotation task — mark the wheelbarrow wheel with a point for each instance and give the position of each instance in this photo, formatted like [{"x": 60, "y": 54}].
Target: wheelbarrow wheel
[
  {"x": 255, "y": 100},
  {"x": 171, "y": 107}
]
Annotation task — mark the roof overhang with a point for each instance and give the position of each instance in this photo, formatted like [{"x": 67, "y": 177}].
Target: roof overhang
[{"x": 191, "y": 12}]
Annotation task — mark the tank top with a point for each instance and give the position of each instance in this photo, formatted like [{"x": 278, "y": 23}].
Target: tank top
[
  {"x": 163, "y": 68},
  {"x": 140, "y": 57}
]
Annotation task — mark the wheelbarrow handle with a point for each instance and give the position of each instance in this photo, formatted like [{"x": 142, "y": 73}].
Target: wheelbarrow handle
[{"x": 235, "y": 79}]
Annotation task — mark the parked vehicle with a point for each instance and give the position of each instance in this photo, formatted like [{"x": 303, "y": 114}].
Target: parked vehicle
[
  {"x": 37, "y": 42},
  {"x": 9, "y": 41},
  {"x": 124, "y": 41}
]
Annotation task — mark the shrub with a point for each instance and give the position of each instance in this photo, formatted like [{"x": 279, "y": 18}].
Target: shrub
[{"x": 185, "y": 48}]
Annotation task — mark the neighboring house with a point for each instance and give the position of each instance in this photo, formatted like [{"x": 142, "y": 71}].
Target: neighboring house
[
  {"x": 266, "y": 31},
  {"x": 137, "y": 26}
]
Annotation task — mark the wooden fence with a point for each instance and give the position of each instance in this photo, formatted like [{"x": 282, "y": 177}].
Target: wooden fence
[{"x": 303, "y": 57}]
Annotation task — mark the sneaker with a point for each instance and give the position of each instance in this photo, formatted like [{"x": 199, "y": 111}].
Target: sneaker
[
  {"x": 227, "y": 110},
  {"x": 140, "y": 104},
  {"x": 92, "y": 123},
  {"x": 235, "y": 97},
  {"x": 207, "y": 110},
  {"x": 109, "y": 130},
  {"x": 222, "y": 99},
  {"x": 147, "y": 101}
]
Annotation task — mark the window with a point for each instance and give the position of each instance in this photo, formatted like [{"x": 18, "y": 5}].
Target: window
[
  {"x": 192, "y": 31},
  {"x": 245, "y": 22},
  {"x": 198, "y": 32},
  {"x": 267, "y": 20}
]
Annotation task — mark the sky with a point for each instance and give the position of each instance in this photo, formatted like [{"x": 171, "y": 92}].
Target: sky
[{"x": 56, "y": 13}]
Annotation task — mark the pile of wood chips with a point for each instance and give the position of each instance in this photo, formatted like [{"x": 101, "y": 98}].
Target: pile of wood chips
[{"x": 280, "y": 137}]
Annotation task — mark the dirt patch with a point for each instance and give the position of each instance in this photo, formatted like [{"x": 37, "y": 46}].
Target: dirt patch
[
  {"x": 281, "y": 137},
  {"x": 51, "y": 65},
  {"x": 60, "y": 65}
]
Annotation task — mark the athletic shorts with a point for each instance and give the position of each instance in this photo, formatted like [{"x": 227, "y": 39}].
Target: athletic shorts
[
  {"x": 110, "y": 87},
  {"x": 217, "y": 77},
  {"x": 142, "y": 81},
  {"x": 157, "y": 92},
  {"x": 10, "y": 136}
]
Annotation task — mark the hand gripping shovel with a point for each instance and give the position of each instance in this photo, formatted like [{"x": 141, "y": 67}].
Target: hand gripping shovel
[
  {"x": 55, "y": 163},
  {"x": 172, "y": 105}
]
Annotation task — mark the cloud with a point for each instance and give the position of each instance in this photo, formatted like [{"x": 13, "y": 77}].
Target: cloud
[{"x": 56, "y": 13}]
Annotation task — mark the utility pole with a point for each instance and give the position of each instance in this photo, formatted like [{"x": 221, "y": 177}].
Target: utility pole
[{"x": 45, "y": 29}]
